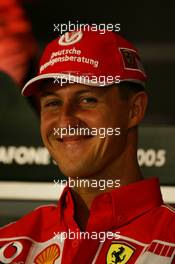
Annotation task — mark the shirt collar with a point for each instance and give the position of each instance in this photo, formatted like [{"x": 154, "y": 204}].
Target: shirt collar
[{"x": 119, "y": 206}]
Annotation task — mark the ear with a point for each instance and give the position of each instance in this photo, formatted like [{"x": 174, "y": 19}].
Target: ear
[{"x": 138, "y": 104}]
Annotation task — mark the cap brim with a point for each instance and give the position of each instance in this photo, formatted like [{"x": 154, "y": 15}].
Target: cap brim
[{"x": 32, "y": 86}]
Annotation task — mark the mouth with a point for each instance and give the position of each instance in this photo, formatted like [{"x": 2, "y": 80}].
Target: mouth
[{"x": 72, "y": 139}]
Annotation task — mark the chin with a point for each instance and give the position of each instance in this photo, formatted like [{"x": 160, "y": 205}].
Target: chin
[
  {"x": 71, "y": 173},
  {"x": 75, "y": 169}
]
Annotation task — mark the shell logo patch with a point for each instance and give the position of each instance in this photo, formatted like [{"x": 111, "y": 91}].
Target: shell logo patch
[
  {"x": 48, "y": 255},
  {"x": 119, "y": 253}
]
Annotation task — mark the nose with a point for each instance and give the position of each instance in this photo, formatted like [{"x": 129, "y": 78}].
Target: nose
[{"x": 67, "y": 117}]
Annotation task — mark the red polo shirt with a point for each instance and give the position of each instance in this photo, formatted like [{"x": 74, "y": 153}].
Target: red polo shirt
[{"x": 135, "y": 211}]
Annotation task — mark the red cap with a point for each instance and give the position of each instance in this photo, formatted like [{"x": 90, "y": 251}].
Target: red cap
[{"x": 88, "y": 57}]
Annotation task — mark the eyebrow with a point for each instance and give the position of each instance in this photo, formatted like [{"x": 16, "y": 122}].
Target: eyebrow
[
  {"x": 100, "y": 92},
  {"x": 48, "y": 93},
  {"x": 85, "y": 91}
]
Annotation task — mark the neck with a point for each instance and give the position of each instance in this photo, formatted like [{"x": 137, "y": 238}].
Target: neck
[{"x": 117, "y": 172}]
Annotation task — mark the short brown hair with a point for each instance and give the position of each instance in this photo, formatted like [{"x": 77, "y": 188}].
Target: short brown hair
[{"x": 128, "y": 89}]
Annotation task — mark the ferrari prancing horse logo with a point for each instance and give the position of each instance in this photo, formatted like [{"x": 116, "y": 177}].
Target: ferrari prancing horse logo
[{"x": 119, "y": 253}]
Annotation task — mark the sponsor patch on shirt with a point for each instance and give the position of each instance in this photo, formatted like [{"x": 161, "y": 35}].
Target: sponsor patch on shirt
[{"x": 119, "y": 253}]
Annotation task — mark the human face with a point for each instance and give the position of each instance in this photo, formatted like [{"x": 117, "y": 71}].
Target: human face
[{"x": 88, "y": 107}]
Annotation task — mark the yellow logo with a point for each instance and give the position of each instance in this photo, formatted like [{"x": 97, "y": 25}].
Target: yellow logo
[
  {"x": 48, "y": 255},
  {"x": 119, "y": 253}
]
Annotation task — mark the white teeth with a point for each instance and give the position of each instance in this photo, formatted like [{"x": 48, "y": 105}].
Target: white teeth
[{"x": 72, "y": 138}]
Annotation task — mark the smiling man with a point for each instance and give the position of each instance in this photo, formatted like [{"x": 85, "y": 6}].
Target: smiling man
[{"x": 78, "y": 90}]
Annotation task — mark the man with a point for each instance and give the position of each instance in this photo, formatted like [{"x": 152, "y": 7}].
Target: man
[{"x": 92, "y": 83}]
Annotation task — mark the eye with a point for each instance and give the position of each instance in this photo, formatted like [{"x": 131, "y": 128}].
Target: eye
[
  {"x": 88, "y": 100},
  {"x": 52, "y": 103}
]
